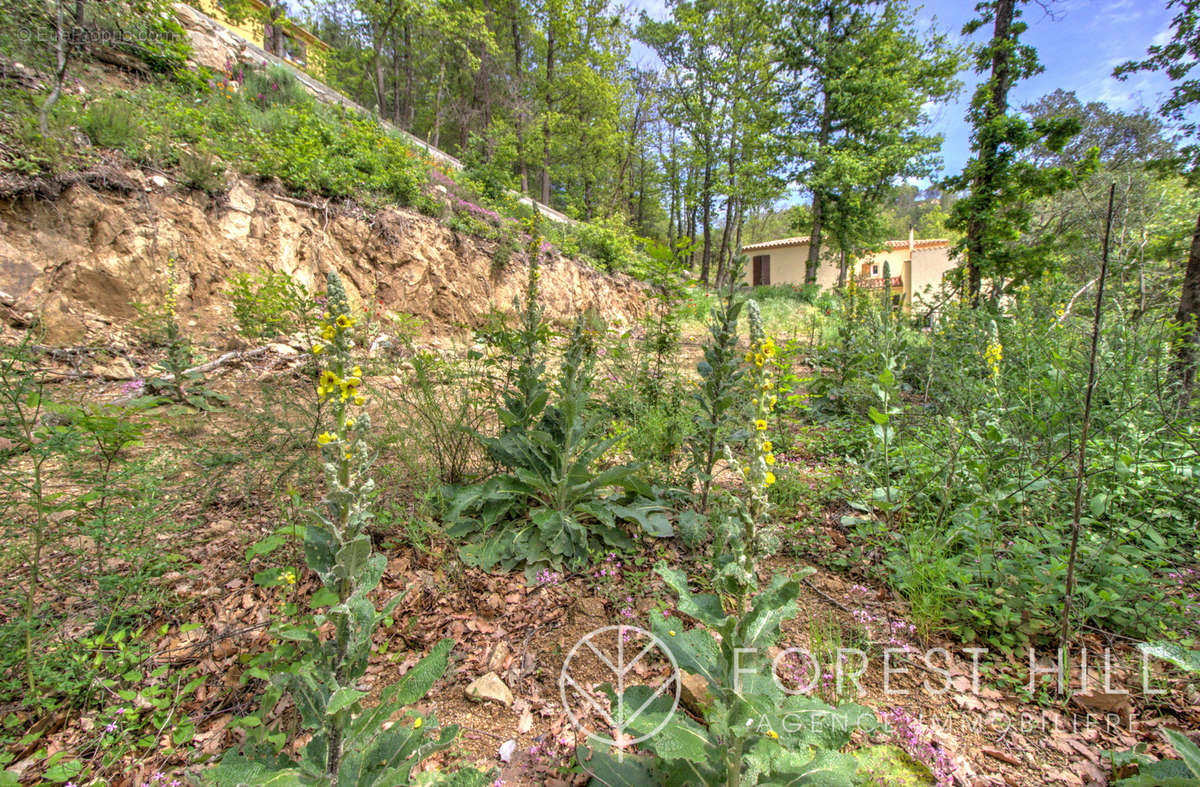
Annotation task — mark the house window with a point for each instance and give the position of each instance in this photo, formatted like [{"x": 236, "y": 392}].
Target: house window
[
  {"x": 875, "y": 269},
  {"x": 761, "y": 273},
  {"x": 295, "y": 50}
]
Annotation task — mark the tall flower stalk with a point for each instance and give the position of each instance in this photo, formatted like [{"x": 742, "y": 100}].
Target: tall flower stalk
[
  {"x": 337, "y": 547},
  {"x": 748, "y": 734},
  {"x": 350, "y": 744},
  {"x": 743, "y": 541},
  {"x": 720, "y": 374}
]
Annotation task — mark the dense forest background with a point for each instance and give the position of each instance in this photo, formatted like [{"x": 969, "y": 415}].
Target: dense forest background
[{"x": 760, "y": 120}]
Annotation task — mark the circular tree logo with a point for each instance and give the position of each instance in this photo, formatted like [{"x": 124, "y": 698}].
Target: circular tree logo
[{"x": 609, "y": 655}]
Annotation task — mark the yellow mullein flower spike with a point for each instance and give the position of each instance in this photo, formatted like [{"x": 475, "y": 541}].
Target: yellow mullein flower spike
[
  {"x": 318, "y": 348},
  {"x": 760, "y": 425},
  {"x": 769, "y": 478},
  {"x": 325, "y": 438}
]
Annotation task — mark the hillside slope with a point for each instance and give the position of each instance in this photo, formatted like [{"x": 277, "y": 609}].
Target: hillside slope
[{"x": 80, "y": 262}]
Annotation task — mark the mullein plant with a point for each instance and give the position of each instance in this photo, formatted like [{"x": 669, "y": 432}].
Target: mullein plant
[
  {"x": 720, "y": 374},
  {"x": 527, "y": 393},
  {"x": 556, "y": 507},
  {"x": 179, "y": 382},
  {"x": 753, "y": 731},
  {"x": 742, "y": 537},
  {"x": 350, "y": 745}
]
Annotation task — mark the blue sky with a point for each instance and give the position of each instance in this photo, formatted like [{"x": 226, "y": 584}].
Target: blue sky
[{"x": 1079, "y": 43}]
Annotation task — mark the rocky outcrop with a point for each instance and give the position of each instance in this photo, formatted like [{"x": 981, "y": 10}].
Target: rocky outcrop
[{"x": 79, "y": 263}]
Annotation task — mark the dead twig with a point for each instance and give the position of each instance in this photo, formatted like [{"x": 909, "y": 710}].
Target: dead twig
[{"x": 825, "y": 596}]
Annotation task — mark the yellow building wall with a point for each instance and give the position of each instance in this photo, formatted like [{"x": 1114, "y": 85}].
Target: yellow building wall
[
  {"x": 893, "y": 258},
  {"x": 250, "y": 28},
  {"x": 253, "y": 30},
  {"x": 787, "y": 264},
  {"x": 317, "y": 58}
]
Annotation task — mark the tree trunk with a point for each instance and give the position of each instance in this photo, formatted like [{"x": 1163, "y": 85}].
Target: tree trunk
[
  {"x": 377, "y": 53},
  {"x": 1187, "y": 317},
  {"x": 519, "y": 95},
  {"x": 396, "y": 72},
  {"x": 62, "y": 54},
  {"x": 722, "y": 255},
  {"x": 410, "y": 102},
  {"x": 818, "y": 204},
  {"x": 549, "y": 109},
  {"x": 982, "y": 186},
  {"x": 814, "y": 240},
  {"x": 435, "y": 137},
  {"x": 275, "y": 44},
  {"x": 706, "y": 207}
]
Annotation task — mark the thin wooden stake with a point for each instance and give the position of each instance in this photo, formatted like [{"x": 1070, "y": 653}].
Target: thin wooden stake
[{"x": 1083, "y": 433}]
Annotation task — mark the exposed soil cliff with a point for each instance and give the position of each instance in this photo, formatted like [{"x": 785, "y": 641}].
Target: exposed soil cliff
[{"x": 78, "y": 263}]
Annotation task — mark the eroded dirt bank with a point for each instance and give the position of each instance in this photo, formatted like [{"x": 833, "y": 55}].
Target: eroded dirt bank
[{"x": 80, "y": 261}]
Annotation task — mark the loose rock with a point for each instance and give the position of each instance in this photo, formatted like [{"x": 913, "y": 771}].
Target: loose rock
[{"x": 490, "y": 688}]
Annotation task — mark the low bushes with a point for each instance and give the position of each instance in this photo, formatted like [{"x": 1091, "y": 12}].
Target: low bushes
[{"x": 965, "y": 435}]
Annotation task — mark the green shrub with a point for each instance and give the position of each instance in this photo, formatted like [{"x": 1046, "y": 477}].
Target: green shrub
[
  {"x": 607, "y": 243},
  {"x": 748, "y": 732},
  {"x": 960, "y": 435},
  {"x": 202, "y": 171},
  {"x": 554, "y": 507},
  {"x": 112, "y": 123},
  {"x": 274, "y": 86},
  {"x": 434, "y": 416},
  {"x": 269, "y": 304}
]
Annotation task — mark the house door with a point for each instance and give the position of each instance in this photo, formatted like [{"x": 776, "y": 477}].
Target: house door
[{"x": 762, "y": 270}]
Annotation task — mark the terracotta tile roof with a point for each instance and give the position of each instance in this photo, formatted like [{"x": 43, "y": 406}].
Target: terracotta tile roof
[
  {"x": 920, "y": 243},
  {"x": 802, "y": 240}
]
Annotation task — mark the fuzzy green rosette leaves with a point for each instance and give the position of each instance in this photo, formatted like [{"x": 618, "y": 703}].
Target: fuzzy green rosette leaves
[{"x": 557, "y": 505}]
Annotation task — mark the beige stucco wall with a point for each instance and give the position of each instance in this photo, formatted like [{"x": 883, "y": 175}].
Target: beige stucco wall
[
  {"x": 929, "y": 266},
  {"x": 893, "y": 258},
  {"x": 788, "y": 264}
]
